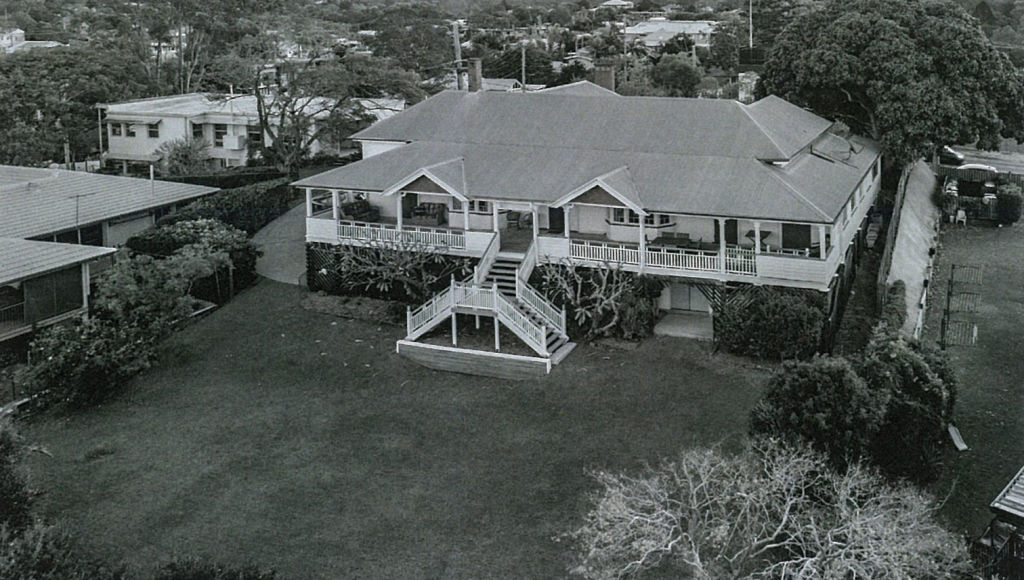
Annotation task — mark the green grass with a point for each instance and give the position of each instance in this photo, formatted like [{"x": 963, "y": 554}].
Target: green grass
[
  {"x": 302, "y": 441},
  {"x": 991, "y": 396}
]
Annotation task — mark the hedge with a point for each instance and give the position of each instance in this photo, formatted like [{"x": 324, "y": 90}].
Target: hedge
[
  {"x": 231, "y": 179},
  {"x": 894, "y": 311},
  {"x": 776, "y": 324},
  {"x": 247, "y": 208}
]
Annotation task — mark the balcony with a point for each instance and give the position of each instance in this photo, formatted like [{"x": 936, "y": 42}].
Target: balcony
[
  {"x": 324, "y": 229},
  {"x": 791, "y": 267}
]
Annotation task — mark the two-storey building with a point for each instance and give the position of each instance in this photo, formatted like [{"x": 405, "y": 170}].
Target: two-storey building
[{"x": 695, "y": 191}]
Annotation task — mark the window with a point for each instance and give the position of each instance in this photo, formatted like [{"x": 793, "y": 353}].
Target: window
[
  {"x": 254, "y": 136},
  {"x": 628, "y": 216},
  {"x": 129, "y": 130},
  {"x": 197, "y": 131},
  {"x": 115, "y": 129},
  {"x": 220, "y": 130},
  {"x": 91, "y": 235},
  {"x": 874, "y": 169},
  {"x": 153, "y": 130}
]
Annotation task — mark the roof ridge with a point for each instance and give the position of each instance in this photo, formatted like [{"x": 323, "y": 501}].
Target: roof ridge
[
  {"x": 761, "y": 128},
  {"x": 771, "y": 171}
]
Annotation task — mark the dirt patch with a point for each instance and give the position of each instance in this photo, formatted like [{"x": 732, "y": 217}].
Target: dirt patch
[{"x": 357, "y": 307}]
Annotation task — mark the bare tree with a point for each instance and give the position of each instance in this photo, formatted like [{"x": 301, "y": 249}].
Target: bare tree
[{"x": 771, "y": 512}]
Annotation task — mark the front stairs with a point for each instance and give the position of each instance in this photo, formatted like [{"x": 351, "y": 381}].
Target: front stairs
[
  {"x": 502, "y": 292},
  {"x": 503, "y": 274}
]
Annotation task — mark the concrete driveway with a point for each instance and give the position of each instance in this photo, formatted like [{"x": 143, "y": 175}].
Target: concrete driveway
[{"x": 283, "y": 242}]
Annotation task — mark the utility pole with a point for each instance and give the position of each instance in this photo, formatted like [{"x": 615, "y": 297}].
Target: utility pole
[
  {"x": 750, "y": 16},
  {"x": 458, "y": 53},
  {"x": 523, "y": 47}
]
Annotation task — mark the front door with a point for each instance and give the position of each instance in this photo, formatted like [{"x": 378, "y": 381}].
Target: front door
[
  {"x": 408, "y": 204},
  {"x": 687, "y": 297},
  {"x": 556, "y": 220}
]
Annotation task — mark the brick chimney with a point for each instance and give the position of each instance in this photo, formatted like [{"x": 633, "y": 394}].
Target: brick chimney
[
  {"x": 604, "y": 75},
  {"x": 476, "y": 77}
]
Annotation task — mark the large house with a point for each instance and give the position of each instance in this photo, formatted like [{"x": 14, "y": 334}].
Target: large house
[
  {"x": 230, "y": 124},
  {"x": 655, "y": 32},
  {"x": 55, "y": 225},
  {"x": 701, "y": 193}
]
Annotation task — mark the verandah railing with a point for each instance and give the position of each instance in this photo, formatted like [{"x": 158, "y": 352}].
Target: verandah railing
[
  {"x": 13, "y": 315},
  {"x": 682, "y": 259},
  {"x": 411, "y": 234},
  {"x": 552, "y": 315}
]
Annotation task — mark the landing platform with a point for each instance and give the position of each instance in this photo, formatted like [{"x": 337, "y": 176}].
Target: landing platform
[{"x": 475, "y": 362}]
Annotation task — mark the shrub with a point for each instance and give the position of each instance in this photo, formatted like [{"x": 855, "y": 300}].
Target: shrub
[
  {"x": 409, "y": 273},
  {"x": 774, "y": 324},
  {"x": 231, "y": 178},
  {"x": 602, "y": 301},
  {"x": 1008, "y": 203},
  {"x": 894, "y": 310},
  {"x": 824, "y": 403},
  {"x": 15, "y": 498},
  {"x": 221, "y": 246},
  {"x": 247, "y": 208},
  {"x": 201, "y": 569},
  {"x": 921, "y": 401}
]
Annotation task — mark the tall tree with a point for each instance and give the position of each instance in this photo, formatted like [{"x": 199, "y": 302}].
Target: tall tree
[
  {"x": 909, "y": 73},
  {"x": 677, "y": 74},
  {"x": 48, "y": 99}
]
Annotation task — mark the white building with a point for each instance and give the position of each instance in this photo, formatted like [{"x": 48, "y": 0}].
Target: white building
[
  {"x": 228, "y": 123},
  {"x": 656, "y": 31}
]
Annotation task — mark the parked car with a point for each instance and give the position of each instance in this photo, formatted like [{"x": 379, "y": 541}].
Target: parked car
[
  {"x": 949, "y": 156},
  {"x": 979, "y": 166}
]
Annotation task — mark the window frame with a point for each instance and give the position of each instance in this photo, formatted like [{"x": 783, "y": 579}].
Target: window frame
[
  {"x": 116, "y": 130},
  {"x": 129, "y": 130},
  {"x": 220, "y": 131},
  {"x": 197, "y": 131},
  {"x": 153, "y": 130}
]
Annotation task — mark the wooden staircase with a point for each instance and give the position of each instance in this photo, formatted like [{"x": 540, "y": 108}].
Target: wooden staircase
[
  {"x": 503, "y": 274},
  {"x": 498, "y": 289}
]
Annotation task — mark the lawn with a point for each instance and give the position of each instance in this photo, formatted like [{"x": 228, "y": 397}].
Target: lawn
[
  {"x": 991, "y": 397},
  {"x": 299, "y": 440}
]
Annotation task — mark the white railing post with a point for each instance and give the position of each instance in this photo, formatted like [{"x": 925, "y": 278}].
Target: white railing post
[
  {"x": 564, "y": 327},
  {"x": 408, "y": 320},
  {"x": 544, "y": 339}
]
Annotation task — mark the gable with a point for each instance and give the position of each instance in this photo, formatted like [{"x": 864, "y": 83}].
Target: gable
[
  {"x": 424, "y": 184},
  {"x": 597, "y": 195}
]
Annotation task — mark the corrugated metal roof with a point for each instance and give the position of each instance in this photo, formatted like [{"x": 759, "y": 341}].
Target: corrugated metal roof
[
  {"x": 35, "y": 202},
  {"x": 653, "y": 124},
  {"x": 196, "y": 104},
  {"x": 702, "y": 185},
  {"x": 23, "y": 259},
  {"x": 1010, "y": 501},
  {"x": 703, "y": 157}
]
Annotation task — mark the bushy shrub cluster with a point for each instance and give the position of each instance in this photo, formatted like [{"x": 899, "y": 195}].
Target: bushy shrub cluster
[
  {"x": 1008, "y": 203},
  {"x": 221, "y": 246},
  {"x": 889, "y": 405},
  {"x": 894, "y": 310},
  {"x": 232, "y": 178},
  {"x": 137, "y": 303},
  {"x": 391, "y": 272},
  {"x": 247, "y": 208},
  {"x": 601, "y": 301},
  {"x": 776, "y": 323},
  {"x": 202, "y": 569}
]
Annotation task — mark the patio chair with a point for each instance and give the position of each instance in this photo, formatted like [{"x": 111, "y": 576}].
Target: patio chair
[
  {"x": 961, "y": 218},
  {"x": 514, "y": 218}
]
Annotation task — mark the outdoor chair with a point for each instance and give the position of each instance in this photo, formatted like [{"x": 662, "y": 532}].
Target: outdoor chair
[{"x": 961, "y": 217}]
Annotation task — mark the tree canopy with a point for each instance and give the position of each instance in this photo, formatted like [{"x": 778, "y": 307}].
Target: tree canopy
[
  {"x": 771, "y": 512},
  {"x": 912, "y": 74}
]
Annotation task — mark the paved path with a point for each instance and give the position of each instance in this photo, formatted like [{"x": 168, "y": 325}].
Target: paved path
[
  {"x": 283, "y": 242},
  {"x": 916, "y": 235}
]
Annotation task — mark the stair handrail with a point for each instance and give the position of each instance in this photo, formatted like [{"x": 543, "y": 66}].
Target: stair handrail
[
  {"x": 422, "y": 316},
  {"x": 533, "y": 334},
  {"x": 525, "y": 269},
  {"x": 551, "y": 314},
  {"x": 531, "y": 297},
  {"x": 481, "y": 270}
]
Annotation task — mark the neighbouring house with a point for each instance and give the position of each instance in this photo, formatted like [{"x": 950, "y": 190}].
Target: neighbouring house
[
  {"x": 54, "y": 223},
  {"x": 92, "y": 209},
  {"x": 656, "y": 32},
  {"x": 13, "y": 40},
  {"x": 711, "y": 196},
  {"x": 230, "y": 124},
  {"x": 42, "y": 283}
]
